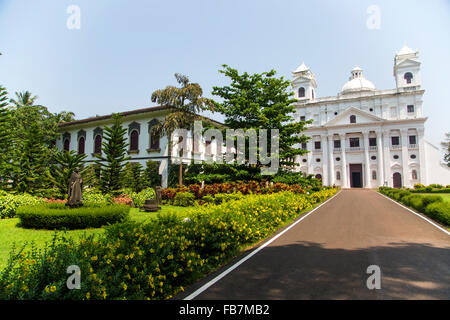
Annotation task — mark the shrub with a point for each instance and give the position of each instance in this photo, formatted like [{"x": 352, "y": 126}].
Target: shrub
[
  {"x": 10, "y": 202},
  {"x": 58, "y": 216},
  {"x": 220, "y": 198},
  {"x": 440, "y": 211},
  {"x": 95, "y": 196},
  {"x": 139, "y": 198},
  {"x": 184, "y": 199},
  {"x": 431, "y": 205},
  {"x": 153, "y": 260}
]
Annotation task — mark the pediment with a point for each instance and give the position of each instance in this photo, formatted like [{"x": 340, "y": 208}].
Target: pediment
[
  {"x": 408, "y": 63},
  {"x": 361, "y": 117}
]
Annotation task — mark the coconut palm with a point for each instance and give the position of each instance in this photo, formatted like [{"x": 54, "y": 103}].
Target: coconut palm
[{"x": 184, "y": 103}]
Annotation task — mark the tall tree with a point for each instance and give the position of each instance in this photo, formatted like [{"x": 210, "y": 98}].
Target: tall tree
[
  {"x": 64, "y": 164},
  {"x": 114, "y": 149},
  {"x": 185, "y": 103},
  {"x": 5, "y": 137},
  {"x": 262, "y": 101},
  {"x": 446, "y": 146}
]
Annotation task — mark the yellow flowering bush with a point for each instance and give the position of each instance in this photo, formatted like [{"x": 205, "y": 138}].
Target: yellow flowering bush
[{"x": 153, "y": 260}]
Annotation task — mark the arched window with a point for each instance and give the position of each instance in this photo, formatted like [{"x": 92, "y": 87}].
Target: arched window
[
  {"x": 81, "y": 145},
  {"x": 66, "y": 144},
  {"x": 98, "y": 144},
  {"x": 414, "y": 174},
  {"x": 154, "y": 140},
  {"x": 301, "y": 92},
  {"x": 338, "y": 175},
  {"x": 134, "y": 140},
  {"x": 374, "y": 175},
  {"x": 352, "y": 119},
  {"x": 408, "y": 77}
]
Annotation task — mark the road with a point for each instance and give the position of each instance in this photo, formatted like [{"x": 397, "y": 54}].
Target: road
[{"x": 326, "y": 256}]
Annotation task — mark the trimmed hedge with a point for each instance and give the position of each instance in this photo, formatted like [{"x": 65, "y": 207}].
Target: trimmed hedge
[
  {"x": 431, "y": 205},
  {"x": 58, "y": 216},
  {"x": 153, "y": 260},
  {"x": 9, "y": 203}
]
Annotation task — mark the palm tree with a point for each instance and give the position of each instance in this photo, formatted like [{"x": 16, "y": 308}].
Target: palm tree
[
  {"x": 23, "y": 99},
  {"x": 185, "y": 104}
]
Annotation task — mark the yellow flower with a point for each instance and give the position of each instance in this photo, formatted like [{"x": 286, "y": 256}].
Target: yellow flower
[
  {"x": 52, "y": 288},
  {"x": 88, "y": 295}
]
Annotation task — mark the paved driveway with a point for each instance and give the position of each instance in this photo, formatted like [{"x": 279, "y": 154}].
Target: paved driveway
[{"x": 326, "y": 255}]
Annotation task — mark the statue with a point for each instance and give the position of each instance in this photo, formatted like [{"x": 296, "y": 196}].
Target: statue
[
  {"x": 158, "y": 195},
  {"x": 75, "y": 190}
]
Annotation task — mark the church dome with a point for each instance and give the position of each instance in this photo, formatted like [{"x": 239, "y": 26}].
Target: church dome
[{"x": 357, "y": 82}]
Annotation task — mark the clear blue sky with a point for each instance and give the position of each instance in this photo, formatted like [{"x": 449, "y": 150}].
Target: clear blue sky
[{"x": 127, "y": 49}]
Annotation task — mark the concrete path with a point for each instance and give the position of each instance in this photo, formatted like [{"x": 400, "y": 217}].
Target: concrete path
[{"x": 326, "y": 255}]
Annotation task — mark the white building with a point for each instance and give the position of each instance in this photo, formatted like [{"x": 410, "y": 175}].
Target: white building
[
  {"x": 86, "y": 135},
  {"x": 365, "y": 137}
]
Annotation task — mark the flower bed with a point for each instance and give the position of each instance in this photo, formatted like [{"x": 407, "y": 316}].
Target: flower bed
[
  {"x": 58, "y": 216},
  {"x": 154, "y": 260},
  {"x": 431, "y": 205}
]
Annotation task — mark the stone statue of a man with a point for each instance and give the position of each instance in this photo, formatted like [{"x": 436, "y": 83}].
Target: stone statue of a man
[{"x": 75, "y": 189}]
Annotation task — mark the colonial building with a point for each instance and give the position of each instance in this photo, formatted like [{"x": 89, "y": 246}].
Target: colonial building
[
  {"x": 365, "y": 137},
  {"x": 85, "y": 136}
]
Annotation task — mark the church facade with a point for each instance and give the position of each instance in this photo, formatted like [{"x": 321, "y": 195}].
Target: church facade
[{"x": 365, "y": 137}]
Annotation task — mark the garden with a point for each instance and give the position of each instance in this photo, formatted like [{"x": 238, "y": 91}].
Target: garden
[
  {"x": 209, "y": 213},
  {"x": 433, "y": 200}
]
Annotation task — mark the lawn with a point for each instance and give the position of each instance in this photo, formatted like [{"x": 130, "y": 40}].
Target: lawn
[
  {"x": 445, "y": 196},
  {"x": 10, "y": 233}
]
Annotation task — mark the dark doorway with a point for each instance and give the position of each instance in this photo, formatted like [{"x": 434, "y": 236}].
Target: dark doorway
[
  {"x": 356, "y": 175},
  {"x": 397, "y": 177}
]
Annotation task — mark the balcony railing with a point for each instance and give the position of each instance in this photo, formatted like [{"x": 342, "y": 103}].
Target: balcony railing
[
  {"x": 353, "y": 149},
  {"x": 413, "y": 146},
  {"x": 373, "y": 148},
  {"x": 337, "y": 149},
  {"x": 396, "y": 147}
]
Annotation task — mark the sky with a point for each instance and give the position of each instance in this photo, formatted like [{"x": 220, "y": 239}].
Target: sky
[{"x": 124, "y": 50}]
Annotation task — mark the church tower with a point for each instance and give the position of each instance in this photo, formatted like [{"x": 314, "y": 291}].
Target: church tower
[
  {"x": 407, "y": 69},
  {"x": 304, "y": 83}
]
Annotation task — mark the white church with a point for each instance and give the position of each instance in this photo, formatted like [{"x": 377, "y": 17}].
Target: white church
[{"x": 365, "y": 137}]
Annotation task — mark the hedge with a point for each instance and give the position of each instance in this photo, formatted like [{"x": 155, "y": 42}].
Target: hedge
[
  {"x": 155, "y": 259},
  {"x": 10, "y": 202},
  {"x": 58, "y": 216},
  {"x": 430, "y": 205}
]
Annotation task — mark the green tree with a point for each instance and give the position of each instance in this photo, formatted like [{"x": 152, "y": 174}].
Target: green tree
[
  {"x": 64, "y": 164},
  {"x": 262, "y": 101},
  {"x": 446, "y": 146},
  {"x": 132, "y": 176},
  {"x": 185, "y": 103},
  {"x": 151, "y": 175},
  {"x": 5, "y": 137},
  {"x": 114, "y": 149}
]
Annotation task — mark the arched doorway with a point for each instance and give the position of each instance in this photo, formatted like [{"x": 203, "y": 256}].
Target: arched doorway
[{"x": 397, "y": 177}]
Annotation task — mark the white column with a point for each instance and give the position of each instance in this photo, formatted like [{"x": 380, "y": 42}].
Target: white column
[
  {"x": 344, "y": 162},
  {"x": 405, "y": 175},
  {"x": 380, "y": 159},
  {"x": 309, "y": 146},
  {"x": 387, "y": 159},
  {"x": 332, "y": 175},
  {"x": 422, "y": 170},
  {"x": 366, "y": 160},
  {"x": 324, "y": 160}
]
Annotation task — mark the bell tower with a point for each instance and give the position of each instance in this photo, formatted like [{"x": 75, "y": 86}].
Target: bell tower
[
  {"x": 304, "y": 83},
  {"x": 407, "y": 69}
]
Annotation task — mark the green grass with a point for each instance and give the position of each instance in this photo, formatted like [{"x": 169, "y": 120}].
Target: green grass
[
  {"x": 445, "y": 196},
  {"x": 10, "y": 233}
]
